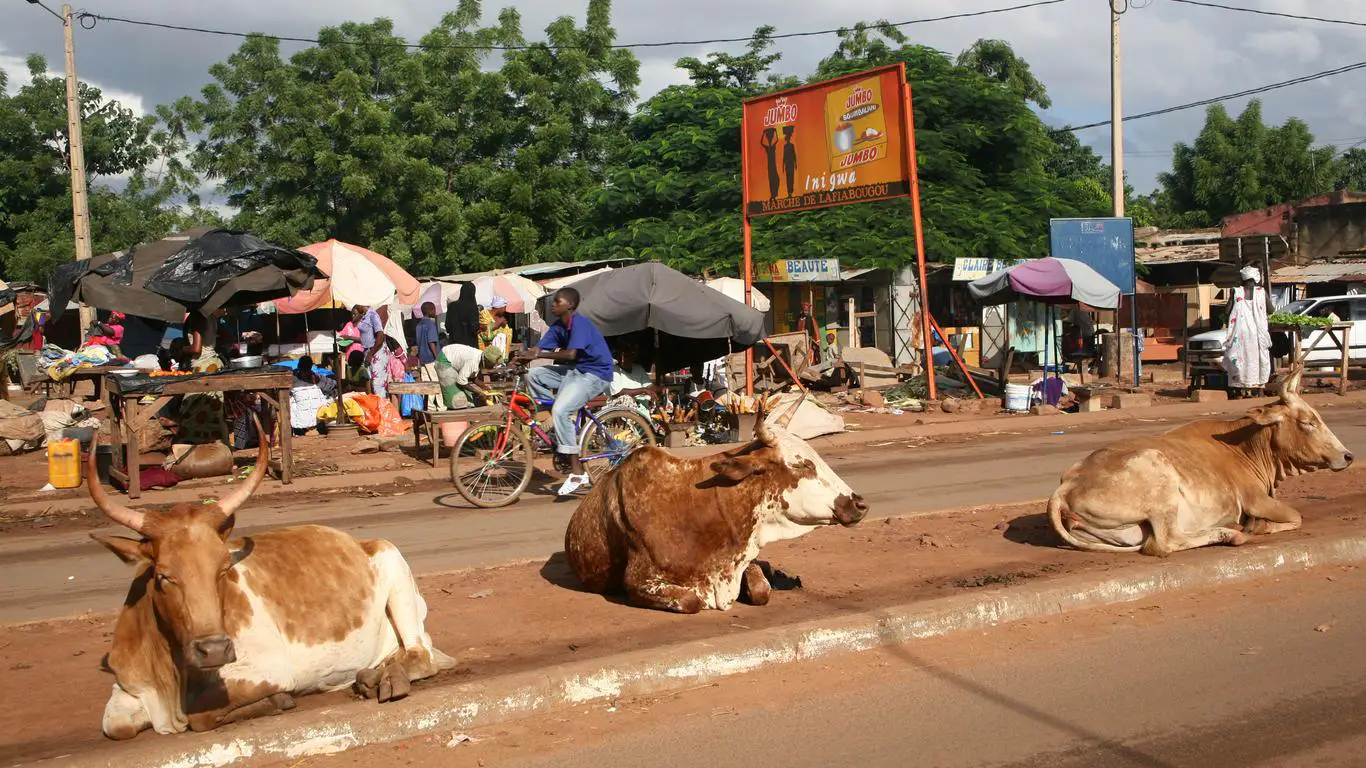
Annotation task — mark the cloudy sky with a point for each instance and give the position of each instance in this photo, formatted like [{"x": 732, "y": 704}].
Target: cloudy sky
[{"x": 1173, "y": 53}]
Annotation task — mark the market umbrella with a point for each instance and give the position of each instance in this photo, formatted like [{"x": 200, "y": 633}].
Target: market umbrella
[
  {"x": 519, "y": 292},
  {"x": 203, "y": 269},
  {"x": 437, "y": 292},
  {"x": 734, "y": 287},
  {"x": 356, "y": 275},
  {"x": 695, "y": 323},
  {"x": 1048, "y": 280}
]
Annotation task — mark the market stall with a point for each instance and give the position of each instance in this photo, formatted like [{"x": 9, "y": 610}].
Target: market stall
[
  {"x": 1051, "y": 282},
  {"x": 125, "y": 393}
]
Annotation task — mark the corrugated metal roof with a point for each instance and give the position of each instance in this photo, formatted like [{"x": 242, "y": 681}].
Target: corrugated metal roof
[
  {"x": 1176, "y": 246},
  {"x": 530, "y": 270},
  {"x": 1178, "y": 254},
  {"x": 1321, "y": 272}
]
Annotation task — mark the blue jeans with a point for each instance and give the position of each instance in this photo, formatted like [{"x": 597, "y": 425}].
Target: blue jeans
[{"x": 570, "y": 388}]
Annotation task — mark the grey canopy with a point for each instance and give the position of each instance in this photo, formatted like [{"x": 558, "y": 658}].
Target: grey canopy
[{"x": 695, "y": 323}]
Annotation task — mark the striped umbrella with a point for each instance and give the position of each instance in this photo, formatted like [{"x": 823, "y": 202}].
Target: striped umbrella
[
  {"x": 356, "y": 275},
  {"x": 519, "y": 292}
]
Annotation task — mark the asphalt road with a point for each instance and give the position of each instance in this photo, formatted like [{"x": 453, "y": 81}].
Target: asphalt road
[
  {"x": 1263, "y": 674},
  {"x": 61, "y": 573}
]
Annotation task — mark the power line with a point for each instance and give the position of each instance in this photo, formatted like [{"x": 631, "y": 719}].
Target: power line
[
  {"x": 1226, "y": 97},
  {"x": 39, "y": 3},
  {"x": 93, "y": 18},
  {"x": 1272, "y": 13}
]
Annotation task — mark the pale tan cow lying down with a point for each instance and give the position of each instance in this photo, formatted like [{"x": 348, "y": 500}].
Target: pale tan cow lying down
[{"x": 1208, "y": 482}]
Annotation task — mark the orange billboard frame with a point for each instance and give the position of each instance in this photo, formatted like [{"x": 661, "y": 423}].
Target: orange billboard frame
[{"x": 859, "y": 147}]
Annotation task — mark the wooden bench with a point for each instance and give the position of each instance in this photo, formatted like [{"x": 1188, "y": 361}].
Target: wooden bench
[
  {"x": 430, "y": 422},
  {"x": 428, "y": 390}
]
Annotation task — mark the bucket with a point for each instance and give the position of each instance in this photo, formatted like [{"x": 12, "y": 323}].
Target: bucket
[
  {"x": 1017, "y": 398},
  {"x": 64, "y": 462},
  {"x": 451, "y": 432},
  {"x": 104, "y": 459}
]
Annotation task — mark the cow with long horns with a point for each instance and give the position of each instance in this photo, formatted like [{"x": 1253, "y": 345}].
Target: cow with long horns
[{"x": 215, "y": 631}]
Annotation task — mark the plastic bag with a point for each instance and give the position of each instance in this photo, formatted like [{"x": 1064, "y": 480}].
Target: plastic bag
[
  {"x": 369, "y": 417},
  {"x": 409, "y": 403}
]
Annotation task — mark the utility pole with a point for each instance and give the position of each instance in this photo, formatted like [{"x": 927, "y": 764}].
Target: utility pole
[
  {"x": 1116, "y": 118},
  {"x": 80, "y": 208}
]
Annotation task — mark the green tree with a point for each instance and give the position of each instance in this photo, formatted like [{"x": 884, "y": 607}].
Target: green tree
[
  {"x": 991, "y": 173},
  {"x": 997, "y": 61},
  {"x": 36, "y": 230},
  {"x": 1352, "y": 170},
  {"x": 429, "y": 156},
  {"x": 1243, "y": 164}
]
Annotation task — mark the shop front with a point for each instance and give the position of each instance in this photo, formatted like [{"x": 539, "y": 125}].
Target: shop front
[{"x": 818, "y": 297}]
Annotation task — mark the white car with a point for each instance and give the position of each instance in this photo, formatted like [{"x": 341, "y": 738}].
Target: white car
[{"x": 1206, "y": 350}]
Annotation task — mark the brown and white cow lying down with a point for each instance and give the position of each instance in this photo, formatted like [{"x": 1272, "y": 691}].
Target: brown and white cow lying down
[
  {"x": 215, "y": 631},
  {"x": 681, "y": 534},
  {"x": 1208, "y": 482}
]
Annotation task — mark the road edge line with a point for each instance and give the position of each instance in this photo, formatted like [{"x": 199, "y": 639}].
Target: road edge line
[{"x": 356, "y": 724}]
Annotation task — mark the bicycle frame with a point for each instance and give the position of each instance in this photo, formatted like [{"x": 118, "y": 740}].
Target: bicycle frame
[{"x": 515, "y": 412}]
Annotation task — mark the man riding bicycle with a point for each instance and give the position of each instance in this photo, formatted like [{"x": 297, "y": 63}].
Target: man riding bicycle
[{"x": 581, "y": 370}]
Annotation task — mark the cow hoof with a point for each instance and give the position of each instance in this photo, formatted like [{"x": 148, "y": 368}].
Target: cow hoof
[
  {"x": 394, "y": 683},
  {"x": 367, "y": 683},
  {"x": 282, "y": 701}
]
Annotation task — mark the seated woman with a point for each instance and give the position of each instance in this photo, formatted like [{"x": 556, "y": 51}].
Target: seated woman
[
  {"x": 108, "y": 333},
  {"x": 306, "y": 397}
]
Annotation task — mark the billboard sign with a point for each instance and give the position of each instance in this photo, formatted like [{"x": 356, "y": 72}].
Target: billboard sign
[
  {"x": 829, "y": 143},
  {"x": 800, "y": 271},
  {"x": 1104, "y": 244}
]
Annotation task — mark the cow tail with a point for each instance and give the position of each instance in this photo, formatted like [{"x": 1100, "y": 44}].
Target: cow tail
[{"x": 1056, "y": 508}]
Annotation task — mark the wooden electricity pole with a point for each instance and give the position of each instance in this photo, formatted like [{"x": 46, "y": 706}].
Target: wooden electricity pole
[{"x": 80, "y": 207}]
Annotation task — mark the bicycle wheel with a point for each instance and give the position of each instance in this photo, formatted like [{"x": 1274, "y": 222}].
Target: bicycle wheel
[
  {"x": 492, "y": 464},
  {"x": 603, "y": 447}
]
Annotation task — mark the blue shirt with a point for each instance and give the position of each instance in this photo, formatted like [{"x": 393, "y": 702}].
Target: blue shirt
[
  {"x": 582, "y": 335},
  {"x": 426, "y": 337}
]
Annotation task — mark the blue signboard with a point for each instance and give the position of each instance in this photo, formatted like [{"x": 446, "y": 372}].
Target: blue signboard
[{"x": 1106, "y": 245}]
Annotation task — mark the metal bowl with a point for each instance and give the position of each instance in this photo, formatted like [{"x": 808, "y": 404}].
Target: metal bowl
[{"x": 250, "y": 361}]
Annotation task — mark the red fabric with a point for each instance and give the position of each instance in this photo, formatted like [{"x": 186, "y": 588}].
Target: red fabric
[{"x": 149, "y": 478}]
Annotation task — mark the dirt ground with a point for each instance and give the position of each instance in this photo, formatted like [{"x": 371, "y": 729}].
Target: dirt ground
[{"x": 501, "y": 620}]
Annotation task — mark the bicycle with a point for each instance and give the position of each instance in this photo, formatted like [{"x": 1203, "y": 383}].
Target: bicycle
[{"x": 492, "y": 461}]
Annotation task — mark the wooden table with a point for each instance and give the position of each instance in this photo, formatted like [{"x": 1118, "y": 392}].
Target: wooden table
[
  {"x": 274, "y": 384},
  {"x": 1336, "y": 337},
  {"x": 38, "y": 376},
  {"x": 430, "y": 422}
]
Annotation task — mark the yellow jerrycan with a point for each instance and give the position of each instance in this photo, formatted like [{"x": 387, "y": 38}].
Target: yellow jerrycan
[{"x": 64, "y": 462}]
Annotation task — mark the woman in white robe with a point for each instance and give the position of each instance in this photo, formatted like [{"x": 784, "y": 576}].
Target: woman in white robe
[{"x": 1247, "y": 345}]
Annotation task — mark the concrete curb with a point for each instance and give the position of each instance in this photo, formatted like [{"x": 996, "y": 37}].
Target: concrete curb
[{"x": 653, "y": 671}]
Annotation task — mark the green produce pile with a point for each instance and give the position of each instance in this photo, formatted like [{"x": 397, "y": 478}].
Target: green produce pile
[{"x": 1304, "y": 321}]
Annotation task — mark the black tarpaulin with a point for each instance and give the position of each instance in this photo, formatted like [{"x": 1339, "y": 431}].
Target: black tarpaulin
[{"x": 203, "y": 269}]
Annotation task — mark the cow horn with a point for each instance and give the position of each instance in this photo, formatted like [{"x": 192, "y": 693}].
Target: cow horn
[
  {"x": 761, "y": 432},
  {"x": 128, "y": 518},
  {"x": 1290, "y": 385},
  {"x": 240, "y": 494}
]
